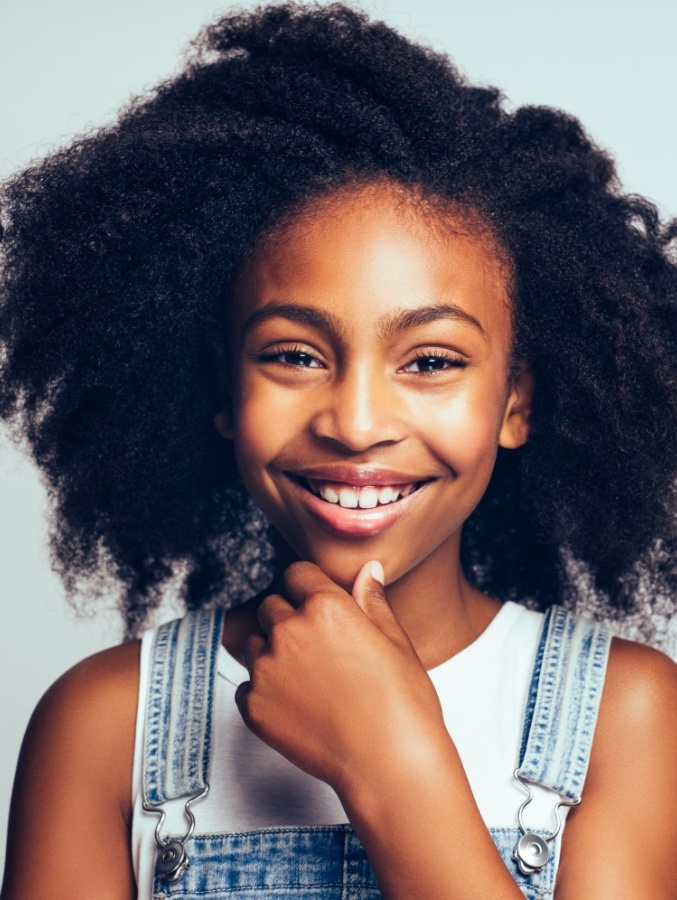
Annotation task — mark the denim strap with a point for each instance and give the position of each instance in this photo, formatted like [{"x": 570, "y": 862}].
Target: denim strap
[
  {"x": 179, "y": 709},
  {"x": 564, "y": 697}
]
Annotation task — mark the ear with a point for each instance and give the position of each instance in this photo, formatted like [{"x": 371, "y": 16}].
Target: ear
[
  {"x": 223, "y": 421},
  {"x": 516, "y": 420}
]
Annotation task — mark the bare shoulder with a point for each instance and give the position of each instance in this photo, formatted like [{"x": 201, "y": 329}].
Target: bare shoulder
[
  {"x": 73, "y": 781},
  {"x": 637, "y": 724},
  {"x": 88, "y": 716},
  {"x": 628, "y": 659},
  {"x": 111, "y": 676},
  {"x": 629, "y": 808},
  {"x": 635, "y": 740},
  {"x": 640, "y": 693}
]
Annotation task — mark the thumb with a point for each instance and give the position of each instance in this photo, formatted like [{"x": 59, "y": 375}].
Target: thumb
[{"x": 369, "y": 594}]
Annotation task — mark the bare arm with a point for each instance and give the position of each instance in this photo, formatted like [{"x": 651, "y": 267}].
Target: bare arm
[
  {"x": 619, "y": 844},
  {"x": 424, "y": 835},
  {"x": 71, "y": 806}
]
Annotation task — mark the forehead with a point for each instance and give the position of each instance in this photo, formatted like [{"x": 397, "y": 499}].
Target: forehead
[{"x": 368, "y": 254}]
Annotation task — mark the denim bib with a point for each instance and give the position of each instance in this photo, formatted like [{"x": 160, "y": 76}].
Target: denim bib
[{"x": 329, "y": 862}]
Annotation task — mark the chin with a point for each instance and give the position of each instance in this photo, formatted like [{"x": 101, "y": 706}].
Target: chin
[
  {"x": 340, "y": 564},
  {"x": 342, "y": 572}
]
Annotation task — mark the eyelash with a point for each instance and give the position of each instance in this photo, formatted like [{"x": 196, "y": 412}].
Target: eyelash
[
  {"x": 455, "y": 362},
  {"x": 276, "y": 354}
]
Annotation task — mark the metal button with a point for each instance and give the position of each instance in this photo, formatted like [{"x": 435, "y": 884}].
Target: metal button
[
  {"x": 531, "y": 853},
  {"x": 171, "y": 861}
]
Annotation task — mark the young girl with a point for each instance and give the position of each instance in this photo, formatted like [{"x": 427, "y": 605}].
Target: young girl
[{"x": 435, "y": 345}]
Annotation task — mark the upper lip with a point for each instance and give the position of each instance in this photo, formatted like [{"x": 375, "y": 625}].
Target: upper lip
[{"x": 357, "y": 476}]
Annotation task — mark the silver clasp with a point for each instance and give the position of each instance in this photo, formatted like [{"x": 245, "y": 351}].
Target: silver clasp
[
  {"x": 172, "y": 860},
  {"x": 531, "y": 851}
]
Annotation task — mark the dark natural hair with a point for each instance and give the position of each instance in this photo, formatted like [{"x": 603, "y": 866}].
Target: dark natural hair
[{"x": 117, "y": 257}]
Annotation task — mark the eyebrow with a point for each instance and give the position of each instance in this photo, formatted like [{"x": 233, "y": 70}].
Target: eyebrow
[
  {"x": 423, "y": 315},
  {"x": 304, "y": 315},
  {"x": 331, "y": 325}
]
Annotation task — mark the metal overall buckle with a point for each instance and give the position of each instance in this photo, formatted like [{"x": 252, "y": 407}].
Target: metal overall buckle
[
  {"x": 171, "y": 860},
  {"x": 531, "y": 852}
]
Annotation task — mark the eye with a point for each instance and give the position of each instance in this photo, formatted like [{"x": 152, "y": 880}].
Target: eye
[
  {"x": 431, "y": 362},
  {"x": 298, "y": 357}
]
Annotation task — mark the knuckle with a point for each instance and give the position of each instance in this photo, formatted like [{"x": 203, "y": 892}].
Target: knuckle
[
  {"x": 320, "y": 602},
  {"x": 296, "y": 568},
  {"x": 324, "y": 608},
  {"x": 251, "y": 703},
  {"x": 376, "y": 595},
  {"x": 249, "y": 711},
  {"x": 299, "y": 576},
  {"x": 250, "y": 645},
  {"x": 242, "y": 698},
  {"x": 266, "y": 606},
  {"x": 280, "y": 632}
]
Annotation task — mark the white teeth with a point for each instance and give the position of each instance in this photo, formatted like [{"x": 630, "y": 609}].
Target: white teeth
[
  {"x": 348, "y": 498},
  {"x": 365, "y": 498},
  {"x": 368, "y": 498}
]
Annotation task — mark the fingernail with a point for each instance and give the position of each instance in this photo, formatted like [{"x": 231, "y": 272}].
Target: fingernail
[{"x": 377, "y": 572}]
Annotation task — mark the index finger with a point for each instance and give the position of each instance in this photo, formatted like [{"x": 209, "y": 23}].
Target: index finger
[{"x": 303, "y": 579}]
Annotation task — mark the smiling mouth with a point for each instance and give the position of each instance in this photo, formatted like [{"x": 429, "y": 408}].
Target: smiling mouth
[{"x": 351, "y": 496}]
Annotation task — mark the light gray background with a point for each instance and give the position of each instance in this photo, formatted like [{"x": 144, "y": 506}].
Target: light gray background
[{"x": 66, "y": 65}]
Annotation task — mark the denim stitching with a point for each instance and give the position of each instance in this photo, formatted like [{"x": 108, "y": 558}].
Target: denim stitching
[
  {"x": 193, "y": 700},
  {"x": 157, "y": 713},
  {"x": 180, "y": 701},
  {"x": 576, "y": 653}
]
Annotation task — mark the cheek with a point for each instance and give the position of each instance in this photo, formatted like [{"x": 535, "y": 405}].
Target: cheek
[
  {"x": 256, "y": 431},
  {"x": 466, "y": 436},
  {"x": 263, "y": 426}
]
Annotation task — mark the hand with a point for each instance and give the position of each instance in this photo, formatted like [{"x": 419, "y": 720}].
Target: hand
[{"x": 335, "y": 683}]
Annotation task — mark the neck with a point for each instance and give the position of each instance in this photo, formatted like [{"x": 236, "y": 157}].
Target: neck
[{"x": 439, "y": 609}]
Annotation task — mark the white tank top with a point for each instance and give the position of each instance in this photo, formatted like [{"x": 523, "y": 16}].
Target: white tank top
[{"x": 483, "y": 691}]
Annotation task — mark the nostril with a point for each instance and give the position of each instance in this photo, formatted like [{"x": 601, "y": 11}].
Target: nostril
[{"x": 358, "y": 431}]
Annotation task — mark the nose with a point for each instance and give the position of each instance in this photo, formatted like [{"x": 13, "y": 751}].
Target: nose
[{"x": 359, "y": 410}]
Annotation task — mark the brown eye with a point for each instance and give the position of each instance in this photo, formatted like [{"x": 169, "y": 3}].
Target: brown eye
[
  {"x": 291, "y": 356},
  {"x": 295, "y": 358},
  {"x": 430, "y": 364},
  {"x": 435, "y": 362}
]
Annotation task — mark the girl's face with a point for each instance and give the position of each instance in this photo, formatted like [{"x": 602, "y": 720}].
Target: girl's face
[{"x": 370, "y": 381}]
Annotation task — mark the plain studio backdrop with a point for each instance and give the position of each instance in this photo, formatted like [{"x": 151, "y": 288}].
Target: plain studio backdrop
[{"x": 67, "y": 65}]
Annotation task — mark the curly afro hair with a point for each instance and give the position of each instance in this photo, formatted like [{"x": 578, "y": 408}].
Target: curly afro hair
[{"x": 117, "y": 257}]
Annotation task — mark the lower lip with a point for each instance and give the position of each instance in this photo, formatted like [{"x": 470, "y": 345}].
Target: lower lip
[{"x": 356, "y": 522}]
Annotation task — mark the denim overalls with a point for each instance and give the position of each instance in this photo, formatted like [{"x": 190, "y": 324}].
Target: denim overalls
[{"x": 328, "y": 862}]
